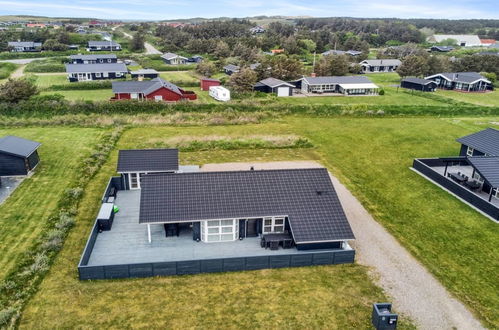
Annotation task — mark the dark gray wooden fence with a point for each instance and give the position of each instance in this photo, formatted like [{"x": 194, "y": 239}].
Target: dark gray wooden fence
[{"x": 423, "y": 166}]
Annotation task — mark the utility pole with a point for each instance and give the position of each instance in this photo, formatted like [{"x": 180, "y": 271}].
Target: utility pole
[{"x": 313, "y": 65}]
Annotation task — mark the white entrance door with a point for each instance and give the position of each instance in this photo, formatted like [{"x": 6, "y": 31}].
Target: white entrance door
[{"x": 283, "y": 91}]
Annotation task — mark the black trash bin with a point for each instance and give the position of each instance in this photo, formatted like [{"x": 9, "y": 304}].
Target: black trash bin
[{"x": 383, "y": 318}]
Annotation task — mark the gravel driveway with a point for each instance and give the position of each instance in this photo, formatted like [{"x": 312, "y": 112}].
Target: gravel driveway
[{"x": 414, "y": 291}]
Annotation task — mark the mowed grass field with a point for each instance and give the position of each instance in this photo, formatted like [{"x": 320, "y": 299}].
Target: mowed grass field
[
  {"x": 372, "y": 157},
  {"x": 188, "y": 76},
  {"x": 85, "y": 95},
  {"x": 485, "y": 99},
  {"x": 24, "y": 213},
  {"x": 335, "y": 297}
]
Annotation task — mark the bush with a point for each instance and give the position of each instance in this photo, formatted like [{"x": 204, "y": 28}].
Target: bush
[
  {"x": 6, "y": 69},
  {"x": 16, "y": 90},
  {"x": 381, "y": 91}
]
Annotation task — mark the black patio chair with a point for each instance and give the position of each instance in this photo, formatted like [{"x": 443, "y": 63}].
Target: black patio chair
[
  {"x": 287, "y": 244},
  {"x": 262, "y": 242},
  {"x": 274, "y": 245}
]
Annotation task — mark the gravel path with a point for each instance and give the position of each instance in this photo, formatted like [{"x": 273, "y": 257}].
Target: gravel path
[
  {"x": 414, "y": 291},
  {"x": 18, "y": 73},
  {"x": 150, "y": 49}
]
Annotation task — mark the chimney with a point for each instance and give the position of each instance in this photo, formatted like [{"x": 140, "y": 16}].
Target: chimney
[{"x": 252, "y": 168}]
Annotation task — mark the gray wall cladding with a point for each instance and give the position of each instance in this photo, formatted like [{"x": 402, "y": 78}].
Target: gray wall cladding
[{"x": 215, "y": 265}]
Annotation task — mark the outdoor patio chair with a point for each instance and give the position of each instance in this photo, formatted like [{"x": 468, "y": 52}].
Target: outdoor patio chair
[
  {"x": 262, "y": 243},
  {"x": 287, "y": 244},
  {"x": 274, "y": 245}
]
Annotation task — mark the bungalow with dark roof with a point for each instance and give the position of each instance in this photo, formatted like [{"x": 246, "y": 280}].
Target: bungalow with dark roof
[
  {"x": 190, "y": 223},
  {"x": 462, "y": 81},
  {"x": 156, "y": 89},
  {"x": 86, "y": 72},
  {"x": 93, "y": 59},
  {"x": 473, "y": 176},
  {"x": 103, "y": 46},
  {"x": 381, "y": 65},
  {"x": 144, "y": 73},
  {"x": 274, "y": 86},
  {"x": 418, "y": 84},
  {"x": 24, "y": 46},
  {"x": 346, "y": 85},
  {"x": 18, "y": 156},
  {"x": 174, "y": 59},
  {"x": 229, "y": 69}
]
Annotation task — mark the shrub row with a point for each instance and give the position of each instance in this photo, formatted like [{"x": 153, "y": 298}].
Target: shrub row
[
  {"x": 48, "y": 106},
  {"x": 21, "y": 284},
  {"x": 87, "y": 85}
]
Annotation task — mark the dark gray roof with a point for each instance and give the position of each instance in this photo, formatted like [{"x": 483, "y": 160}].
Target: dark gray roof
[
  {"x": 92, "y": 57},
  {"x": 145, "y": 71},
  {"x": 337, "y": 80},
  {"x": 231, "y": 67},
  {"x": 342, "y": 52},
  {"x": 488, "y": 168},
  {"x": 486, "y": 141},
  {"x": 389, "y": 62},
  {"x": 17, "y": 146},
  {"x": 464, "y": 77},
  {"x": 97, "y": 67},
  {"x": 443, "y": 48},
  {"x": 306, "y": 196},
  {"x": 102, "y": 43},
  {"x": 146, "y": 87},
  {"x": 168, "y": 56},
  {"x": 418, "y": 81},
  {"x": 146, "y": 160},
  {"x": 273, "y": 82}
]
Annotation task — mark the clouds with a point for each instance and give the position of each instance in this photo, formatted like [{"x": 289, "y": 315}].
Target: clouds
[{"x": 175, "y": 9}]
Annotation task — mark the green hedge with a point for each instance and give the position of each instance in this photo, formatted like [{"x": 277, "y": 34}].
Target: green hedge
[
  {"x": 48, "y": 107},
  {"x": 6, "y": 69}
]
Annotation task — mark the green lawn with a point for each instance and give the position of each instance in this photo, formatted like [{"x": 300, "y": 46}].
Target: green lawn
[
  {"x": 6, "y": 69},
  {"x": 335, "y": 297},
  {"x": 93, "y": 94},
  {"x": 47, "y": 80},
  {"x": 189, "y": 76},
  {"x": 486, "y": 99},
  {"x": 24, "y": 213}
]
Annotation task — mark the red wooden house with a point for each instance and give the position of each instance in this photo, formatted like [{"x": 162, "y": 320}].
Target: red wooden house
[
  {"x": 206, "y": 83},
  {"x": 155, "y": 89}
]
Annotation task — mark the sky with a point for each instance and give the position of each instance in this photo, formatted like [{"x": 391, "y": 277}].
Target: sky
[{"x": 177, "y": 9}]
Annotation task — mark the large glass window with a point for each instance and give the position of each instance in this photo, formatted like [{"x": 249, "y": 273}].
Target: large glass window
[
  {"x": 219, "y": 230},
  {"x": 273, "y": 225}
]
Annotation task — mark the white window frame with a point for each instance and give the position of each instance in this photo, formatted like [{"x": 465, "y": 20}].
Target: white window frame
[
  {"x": 138, "y": 176},
  {"x": 275, "y": 225},
  {"x": 219, "y": 231},
  {"x": 134, "y": 96},
  {"x": 469, "y": 151},
  {"x": 158, "y": 98}
]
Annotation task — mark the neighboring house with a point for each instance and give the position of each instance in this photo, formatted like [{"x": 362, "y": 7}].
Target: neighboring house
[
  {"x": 73, "y": 47},
  {"x": 461, "y": 81},
  {"x": 206, "y": 83},
  {"x": 231, "y": 68},
  {"x": 144, "y": 73},
  {"x": 463, "y": 40},
  {"x": 382, "y": 65},
  {"x": 257, "y": 30},
  {"x": 487, "y": 42},
  {"x": 342, "y": 52},
  {"x": 346, "y": 85},
  {"x": 93, "y": 59},
  {"x": 156, "y": 89},
  {"x": 482, "y": 143},
  {"x": 173, "y": 59},
  {"x": 441, "y": 49},
  {"x": 195, "y": 59},
  {"x": 418, "y": 84},
  {"x": 274, "y": 86},
  {"x": 86, "y": 72},
  {"x": 103, "y": 46},
  {"x": 24, "y": 46},
  {"x": 134, "y": 164},
  {"x": 473, "y": 176},
  {"x": 18, "y": 156}
]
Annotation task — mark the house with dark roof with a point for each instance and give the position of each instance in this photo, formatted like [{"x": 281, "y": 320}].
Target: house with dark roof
[
  {"x": 231, "y": 68},
  {"x": 100, "y": 71},
  {"x": 346, "y": 85},
  {"x": 418, "y": 84},
  {"x": 24, "y": 46},
  {"x": 473, "y": 176},
  {"x": 462, "y": 81},
  {"x": 195, "y": 59},
  {"x": 174, "y": 59},
  {"x": 381, "y": 65},
  {"x": 142, "y": 74},
  {"x": 93, "y": 46},
  {"x": 441, "y": 49},
  {"x": 18, "y": 156},
  {"x": 156, "y": 89},
  {"x": 190, "y": 223},
  {"x": 133, "y": 164},
  {"x": 93, "y": 58},
  {"x": 274, "y": 86}
]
